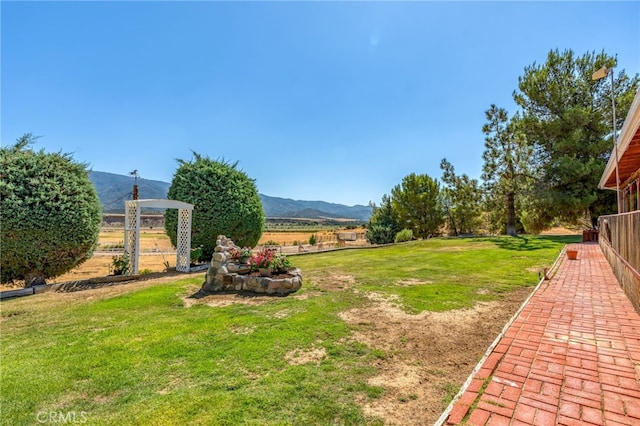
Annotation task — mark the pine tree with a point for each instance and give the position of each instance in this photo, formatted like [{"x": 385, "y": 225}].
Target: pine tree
[
  {"x": 567, "y": 120},
  {"x": 505, "y": 168}
]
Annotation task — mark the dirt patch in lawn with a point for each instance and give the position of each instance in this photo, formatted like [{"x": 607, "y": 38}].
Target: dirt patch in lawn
[
  {"x": 422, "y": 359},
  {"x": 425, "y": 358},
  {"x": 300, "y": 356},
  {"x": 411, "y": 282},
  {"x": 220, "y": 300},
  {"x": 331, "y": 281}
]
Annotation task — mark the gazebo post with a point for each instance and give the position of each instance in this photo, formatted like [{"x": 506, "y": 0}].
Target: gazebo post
[
  {"x": 132, "y": 235},
  {"x": 183, "y": 253}
]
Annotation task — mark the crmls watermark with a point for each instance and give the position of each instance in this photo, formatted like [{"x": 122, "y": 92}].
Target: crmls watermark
[{"x": 60, "y": 417}]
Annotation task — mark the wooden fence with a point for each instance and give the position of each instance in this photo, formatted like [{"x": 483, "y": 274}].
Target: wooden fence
[{"x": 619, "y": 240}]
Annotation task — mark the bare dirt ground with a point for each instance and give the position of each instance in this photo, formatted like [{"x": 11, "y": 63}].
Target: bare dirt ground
[
  {"x": 561, "y": 230},
  {"x": 99, "y": 266},
  {"x": 155, "y": 249},
  {"x": 429, "y": 355},
  {"x": 295, "y": 238},
  {"x": 424, "y": 358}
]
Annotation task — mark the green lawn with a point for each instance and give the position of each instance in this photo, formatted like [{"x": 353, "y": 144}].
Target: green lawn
[{"x": 142, "y": 357}]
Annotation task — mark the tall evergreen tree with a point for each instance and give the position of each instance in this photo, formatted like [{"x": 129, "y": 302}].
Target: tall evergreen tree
[{"x": 567, "y": 120}]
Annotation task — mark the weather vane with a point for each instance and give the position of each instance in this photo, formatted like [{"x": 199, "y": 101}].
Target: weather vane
[{"x": 135, "y": 183}]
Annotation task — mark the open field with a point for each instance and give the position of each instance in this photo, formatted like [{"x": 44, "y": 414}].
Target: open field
[
  {"x": 156, "y": 249},
  {"x": 378, "y": 336}
]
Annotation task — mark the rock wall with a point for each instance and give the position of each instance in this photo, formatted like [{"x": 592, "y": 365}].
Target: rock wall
[{"x": 226, "y": 274}]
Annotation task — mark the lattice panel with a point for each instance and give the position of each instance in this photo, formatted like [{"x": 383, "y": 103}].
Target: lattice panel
[
  {"x": 131, "y": 235},
  {"x": 183, "y": 255}
]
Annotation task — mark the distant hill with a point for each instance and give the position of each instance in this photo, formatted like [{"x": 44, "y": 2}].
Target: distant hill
[
  {"x": 285, "y": 207},
  {"x": 114, "y": 189}
]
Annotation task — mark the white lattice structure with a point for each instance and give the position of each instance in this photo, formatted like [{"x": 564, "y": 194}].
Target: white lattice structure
[{"x": 132, "y": 231}]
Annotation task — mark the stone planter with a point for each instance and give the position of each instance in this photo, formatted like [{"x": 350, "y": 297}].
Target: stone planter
[
  {"x": 265, "y": 272},
  {"x": 282, "y": 284},
  {"x": 225, "y": 275}
]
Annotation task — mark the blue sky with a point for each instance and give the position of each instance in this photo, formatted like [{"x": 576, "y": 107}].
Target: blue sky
[{"x": 332, "y": 101}]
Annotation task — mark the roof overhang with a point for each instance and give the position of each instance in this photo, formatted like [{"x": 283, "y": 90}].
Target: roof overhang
[{"x": 628, "y": 150}]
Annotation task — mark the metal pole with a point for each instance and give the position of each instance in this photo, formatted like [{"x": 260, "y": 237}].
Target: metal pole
[{"x": 615, "y": 140}]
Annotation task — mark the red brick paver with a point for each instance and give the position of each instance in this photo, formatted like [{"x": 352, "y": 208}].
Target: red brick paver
[{"x": 571, "y": 357}]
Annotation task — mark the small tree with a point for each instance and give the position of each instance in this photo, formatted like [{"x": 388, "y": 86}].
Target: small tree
[
  {"x": 226, "y": 202},
  {"x": 50, "y": 215},
  {"x": 417, "y": 203},
  {"x": 383, "y": 224},
  {"x": 462, "y": 199}
]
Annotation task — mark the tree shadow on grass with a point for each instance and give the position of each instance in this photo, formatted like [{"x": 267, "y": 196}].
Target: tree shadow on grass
[
  {"x": 533, "y": 242},
  {"x": 241, "y": 295}
]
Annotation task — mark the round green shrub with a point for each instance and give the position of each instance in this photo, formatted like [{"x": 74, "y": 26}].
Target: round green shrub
[
  {"x": 404, "y": 235},
  {"x": 379, "y": 234},
  {"x": 225, "y": 199},
  {"x": 50, "y": 215}
]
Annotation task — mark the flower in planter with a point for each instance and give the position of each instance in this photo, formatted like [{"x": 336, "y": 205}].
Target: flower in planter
[
  {"x": 281, "y": 263},
  {"x": 239, "y": 253},
  {"x": 262, "y": 259},
  {"x": 234, "y": 253}
]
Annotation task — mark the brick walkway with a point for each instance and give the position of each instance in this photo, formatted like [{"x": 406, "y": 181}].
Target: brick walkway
[{"x": 571, "y": 357}]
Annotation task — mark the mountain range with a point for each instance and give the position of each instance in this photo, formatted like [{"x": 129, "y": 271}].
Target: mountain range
[{"x": 114, "y": 189}]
